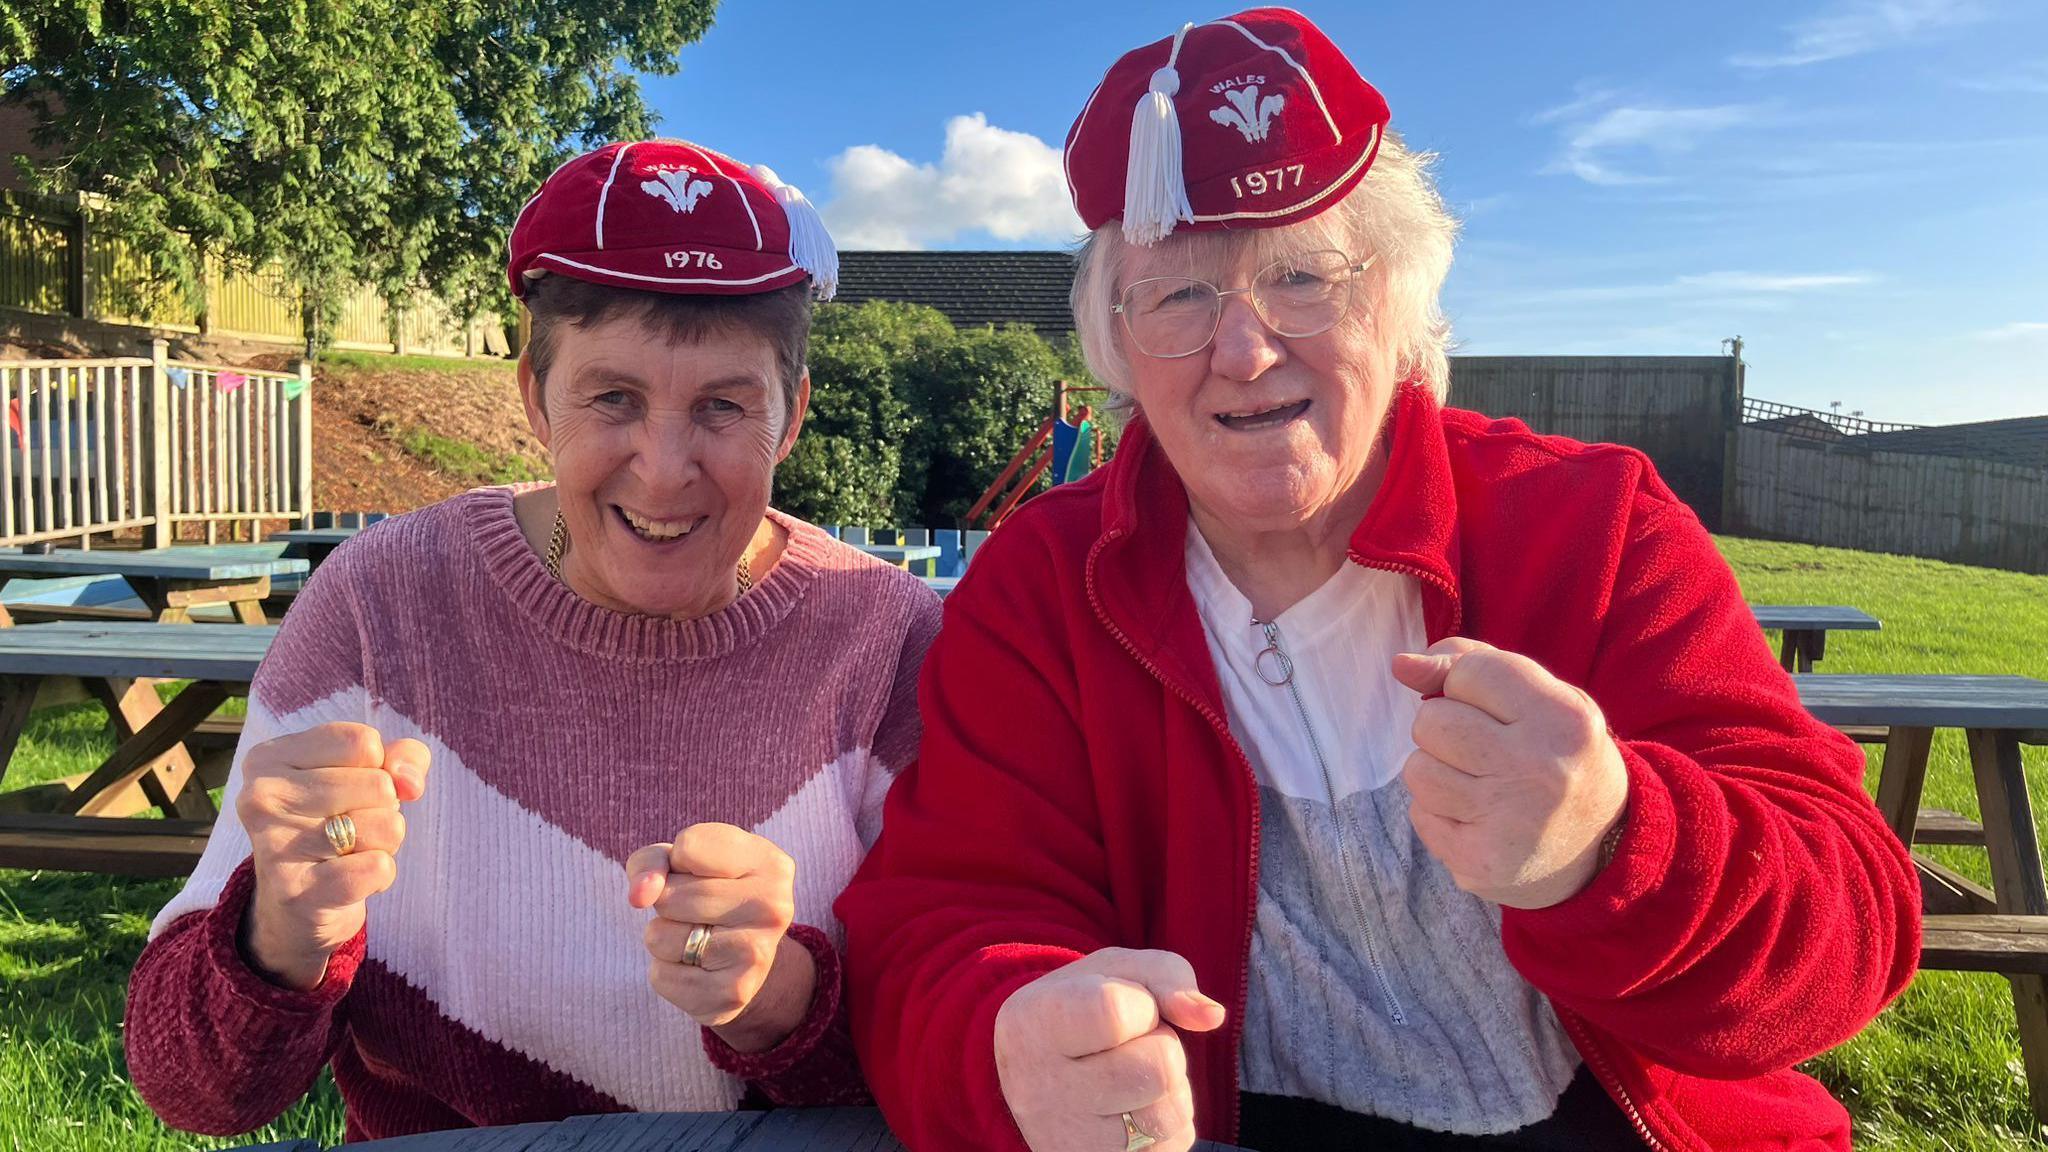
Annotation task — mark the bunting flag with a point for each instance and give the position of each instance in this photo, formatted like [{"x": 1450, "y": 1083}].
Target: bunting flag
[
  {"x": 178, "y": 375},
  {"x": 294, "y": 387},
  {"x": 229, "y": 381},
  {"x": 14, "y": 422}
]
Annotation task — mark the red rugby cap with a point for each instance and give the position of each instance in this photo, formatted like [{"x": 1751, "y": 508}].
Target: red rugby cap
[
  {"x": 670, "y": 216},
  {"x": 1252, "y": 121}
]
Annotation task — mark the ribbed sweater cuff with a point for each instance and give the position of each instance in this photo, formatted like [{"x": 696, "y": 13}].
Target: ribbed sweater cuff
[
  {"x": 247, "y": 986},
  {"x": 814, "y": 1065}
]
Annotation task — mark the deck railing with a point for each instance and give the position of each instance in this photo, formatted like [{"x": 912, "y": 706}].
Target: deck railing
[{"x": 125, "y": 443}]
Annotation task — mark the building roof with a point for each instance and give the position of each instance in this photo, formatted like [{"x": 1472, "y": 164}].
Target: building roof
[
  {"x": 2022, "y": 441},
  {"x": 971, "y": 288}
]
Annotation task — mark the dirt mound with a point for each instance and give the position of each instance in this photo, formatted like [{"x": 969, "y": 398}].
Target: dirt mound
[{"x": 396, "y": 432}]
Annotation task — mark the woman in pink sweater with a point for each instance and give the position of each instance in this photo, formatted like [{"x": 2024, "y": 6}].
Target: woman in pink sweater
[{"x": 545, "y": 792}]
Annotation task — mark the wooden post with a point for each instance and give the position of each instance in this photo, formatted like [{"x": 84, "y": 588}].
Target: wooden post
[
  {"x": 78, "y": 291},
  {"x": 302, "y": 447},
  {"x": 157, "y": 499}
]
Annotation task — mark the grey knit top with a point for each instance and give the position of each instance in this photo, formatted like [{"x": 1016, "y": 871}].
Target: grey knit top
[{"x": 1377, "y": 985}]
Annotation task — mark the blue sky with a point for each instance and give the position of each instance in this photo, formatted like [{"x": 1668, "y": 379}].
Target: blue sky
[{"x": 1858, "y": 188}]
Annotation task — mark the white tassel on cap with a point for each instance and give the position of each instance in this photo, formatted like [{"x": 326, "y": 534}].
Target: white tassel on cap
[
  {"x": 1155, "y": 192},
  {"x": 810, "y": 246}
]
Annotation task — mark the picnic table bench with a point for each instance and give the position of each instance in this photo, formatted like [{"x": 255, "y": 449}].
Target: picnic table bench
[
  {"x": 1805, "y": 629},
  {"x": 166, "y": 755},
  {"x": 169, "y": 582},
  {"x": 782, "y": 1130},
  {"x": 1967, "y": 927}
]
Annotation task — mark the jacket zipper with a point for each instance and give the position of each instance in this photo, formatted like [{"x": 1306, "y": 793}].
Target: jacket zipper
[
  {"x": 1606, "y": 1076},
  {"x": 1250, "y": 781},
  {"x": 1281, "y": 675}
]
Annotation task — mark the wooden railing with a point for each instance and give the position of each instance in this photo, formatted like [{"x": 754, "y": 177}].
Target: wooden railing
[{"x": 113, "y": 445}]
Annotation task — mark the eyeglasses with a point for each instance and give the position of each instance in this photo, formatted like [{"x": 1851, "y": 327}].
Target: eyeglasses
[{"x": 1169, "y": 317}]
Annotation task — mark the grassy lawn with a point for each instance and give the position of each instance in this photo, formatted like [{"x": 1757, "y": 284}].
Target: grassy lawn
[{"x": 1939, "y": 1072}]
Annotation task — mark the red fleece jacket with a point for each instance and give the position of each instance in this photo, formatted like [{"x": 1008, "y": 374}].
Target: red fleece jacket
[{"x": 1078, "y": 788}]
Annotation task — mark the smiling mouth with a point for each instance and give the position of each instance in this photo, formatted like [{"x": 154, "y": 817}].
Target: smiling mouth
[
  {"x": 659, "y": 531},
  {"x": 1263, "y": 417}
]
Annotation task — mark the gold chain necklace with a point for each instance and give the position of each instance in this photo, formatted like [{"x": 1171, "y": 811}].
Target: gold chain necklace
[{"x": 558, "y": 543}]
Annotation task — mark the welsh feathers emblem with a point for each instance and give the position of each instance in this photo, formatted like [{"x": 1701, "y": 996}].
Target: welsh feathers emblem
[
  {"x": 678, "y": 186},
  {"x": 1244, "y": 111}
]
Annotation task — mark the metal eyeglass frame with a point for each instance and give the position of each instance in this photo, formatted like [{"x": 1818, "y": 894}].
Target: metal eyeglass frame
[{"x": 1349, "y": 272}]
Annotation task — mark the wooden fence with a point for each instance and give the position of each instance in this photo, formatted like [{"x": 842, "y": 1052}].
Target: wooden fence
[
  {"x": 1681, "y": 411},
  {"x": 53, "y": 263},
  {"x": 97, "y": 446},
  {"x": 1790, "y": 485}
]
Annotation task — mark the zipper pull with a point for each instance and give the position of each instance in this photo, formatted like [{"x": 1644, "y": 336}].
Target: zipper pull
[{"x": 1272, "y": 663}]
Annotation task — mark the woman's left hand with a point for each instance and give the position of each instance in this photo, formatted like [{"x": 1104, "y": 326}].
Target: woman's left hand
[
  {"x": 1515, "y": 781},
  {"x": 749, "y": 983}
]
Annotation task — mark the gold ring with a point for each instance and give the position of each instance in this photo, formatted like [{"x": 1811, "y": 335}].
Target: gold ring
[
  {"x": 1136, "y": 1137},
  {"x": 341, "y": 832},
  {"x": 693, "y": 948}
]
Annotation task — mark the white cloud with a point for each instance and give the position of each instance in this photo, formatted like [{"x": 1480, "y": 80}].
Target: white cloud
[
  {"x": 988, "y": 179},
  {"x": 1853, "y": 27},
  {"x": 2017, "y": 330},
  {"x": 1595, "y": 147},
  {"x": 1765, "y": 282},
  {"x": 2025, "y": 78},
  {"x": 1707, "y": 285}
]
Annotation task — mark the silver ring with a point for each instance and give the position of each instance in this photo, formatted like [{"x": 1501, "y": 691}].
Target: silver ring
[
  {"x": 693, "y": 948},
  {"x": 341, "y": 832},
  {"x": 1136, "y": 1137}
]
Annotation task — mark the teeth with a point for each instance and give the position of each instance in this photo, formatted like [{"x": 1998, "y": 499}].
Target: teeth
[{"x": 657, "y": 529}]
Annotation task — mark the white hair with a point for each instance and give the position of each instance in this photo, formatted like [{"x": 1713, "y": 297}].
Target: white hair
[{"x": 1394, "y": 214}]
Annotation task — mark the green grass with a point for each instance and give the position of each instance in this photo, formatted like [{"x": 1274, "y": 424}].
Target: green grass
[
  {"x": 467, "y": 462},
  {"x": 1939, "y": 1072},
  {"x": 386, "y": 362}
]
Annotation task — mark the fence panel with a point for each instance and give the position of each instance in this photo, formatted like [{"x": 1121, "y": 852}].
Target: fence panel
[
  {"x": 1679, "y": 410},
  {"x": 35, "y": 261},
  {"x": 70, "y": 454},
  {"x": 1791, "y": 485},
  {"x": 228, "y": 465}
]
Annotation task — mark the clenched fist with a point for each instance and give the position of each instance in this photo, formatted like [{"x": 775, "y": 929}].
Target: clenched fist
[
  {"x": 1514, "y": 780},
  {"x": 309, "y": 897},
  {"x": 747, "y": 981},
  {"x": 1085, "y": 1050}
]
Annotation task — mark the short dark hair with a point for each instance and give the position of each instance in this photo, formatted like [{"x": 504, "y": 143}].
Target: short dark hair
[{"x": 781, "y": 317}]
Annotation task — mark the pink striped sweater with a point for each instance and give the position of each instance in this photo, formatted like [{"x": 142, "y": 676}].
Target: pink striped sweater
[{"x": 502, "y": 979}]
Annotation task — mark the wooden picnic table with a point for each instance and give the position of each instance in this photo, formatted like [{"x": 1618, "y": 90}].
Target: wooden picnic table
[
  {"x": 170, "y": 582},
  {"x": 1806, "y": 627},
  {"x": 2005, "y": 928},
  {"x": 905, "y": 555},
  {"x": 317, "y": 544},
  {"x": 83, "y": 825},
  {"x": 781, "y": 1130}
]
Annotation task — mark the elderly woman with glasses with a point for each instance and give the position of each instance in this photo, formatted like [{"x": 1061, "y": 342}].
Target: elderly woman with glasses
[{"x": 1336, "y": 769}]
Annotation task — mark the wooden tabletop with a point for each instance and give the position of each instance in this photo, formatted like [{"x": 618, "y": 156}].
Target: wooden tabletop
[
  {"x": 184, "y": 562},
  {"x": 783, "y": 1130},
  {"x": 140, "y": 648},
  {"x": 315, "y": 535},
  {"x": 1985, "y": 702},
  {"x": 1832, "y": 618}
]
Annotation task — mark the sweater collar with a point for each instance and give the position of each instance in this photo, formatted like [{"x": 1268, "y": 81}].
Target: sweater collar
[
  {"x": 1136, "y": 572},
  {"x": 551, "y": 607}
]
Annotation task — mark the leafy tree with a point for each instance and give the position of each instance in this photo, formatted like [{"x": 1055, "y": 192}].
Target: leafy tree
[
  {"x": 344, "y": 140},
  {"x": 846, "y": 465},
  {"x": 977, "y": 399}
]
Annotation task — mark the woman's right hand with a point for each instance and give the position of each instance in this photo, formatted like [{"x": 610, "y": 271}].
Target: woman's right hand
[
  {"x": 309, "y": 898},
  {"x": 1081, "y": 1048}
]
